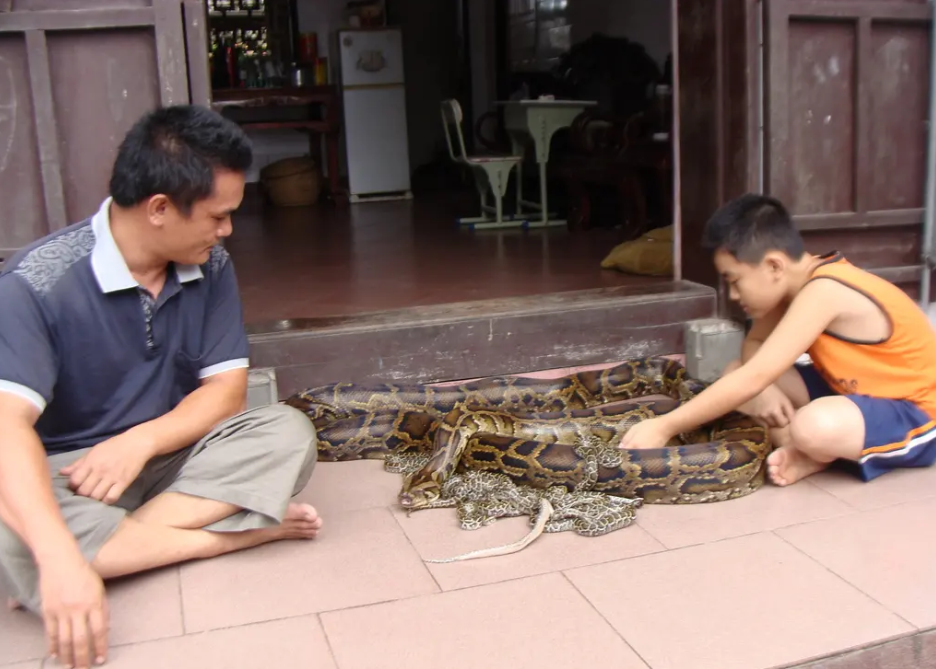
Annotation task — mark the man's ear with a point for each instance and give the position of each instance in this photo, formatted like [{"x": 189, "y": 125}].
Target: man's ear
[{"x": 157, "y": 208}]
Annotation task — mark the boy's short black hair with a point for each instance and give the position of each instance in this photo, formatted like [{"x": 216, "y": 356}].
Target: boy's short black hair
[
  {"x": 174, "y": 151},
  {"x": 751, "y": 225}
]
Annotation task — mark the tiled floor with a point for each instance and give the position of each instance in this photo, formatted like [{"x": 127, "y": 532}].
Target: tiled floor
[
  {"x": 775, "y": 578},
  {"x": 772, "y": 579}
]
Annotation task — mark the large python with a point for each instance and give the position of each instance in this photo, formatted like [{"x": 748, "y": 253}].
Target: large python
[{"x": 534, "y": 432}]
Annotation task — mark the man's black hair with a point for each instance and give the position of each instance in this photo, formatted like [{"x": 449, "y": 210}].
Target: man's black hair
[
  {"x": 750, "y": 226},
  {"x": 174, "y": 151}
]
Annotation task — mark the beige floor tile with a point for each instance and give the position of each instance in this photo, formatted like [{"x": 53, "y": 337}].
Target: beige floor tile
[
  {"x": 531, "y": 623},
  {"x": 436, "y": 534},
  {"x": 296, "y": 643},
  {"x": 361, "y": 557},
  {"x": 896, "y": 487},
  {"x": 143, "y": 608},
  {"x": 146, "y": 607},
  {"x": 34, "y": 664},
  {"x": 21, "y": 636},
  {"x": 745, "y": 603},
  {"x": 765, "y": 509},
  {"x": 338, "y": 487},
  {"x": 889, "y": 553}
]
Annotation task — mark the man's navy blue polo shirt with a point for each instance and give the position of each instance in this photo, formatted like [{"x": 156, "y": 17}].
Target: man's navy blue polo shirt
[{"x": 93, "y": 350}]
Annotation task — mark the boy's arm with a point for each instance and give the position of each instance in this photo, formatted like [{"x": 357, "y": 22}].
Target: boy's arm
[
  {"x": 760, "y": 331},
  {"x": 810, "y": 313}
]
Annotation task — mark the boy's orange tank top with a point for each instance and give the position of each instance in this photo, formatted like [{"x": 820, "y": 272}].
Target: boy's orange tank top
[{"x": 901, "y": 367}]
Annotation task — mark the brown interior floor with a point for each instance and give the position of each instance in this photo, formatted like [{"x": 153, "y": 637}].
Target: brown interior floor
[{"x": 309, "y": 262}]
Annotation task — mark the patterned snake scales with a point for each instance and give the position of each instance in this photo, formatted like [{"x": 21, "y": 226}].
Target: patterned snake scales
[{"x": 506, "y": 446}]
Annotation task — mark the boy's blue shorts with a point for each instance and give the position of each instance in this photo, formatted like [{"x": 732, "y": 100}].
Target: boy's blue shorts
[{"x": 897, "y": 432}]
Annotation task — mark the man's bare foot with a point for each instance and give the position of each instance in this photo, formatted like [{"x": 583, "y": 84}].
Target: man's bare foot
[
  {"x": 14, "y": 605},
  {"x": 300, "y": 522},
  {"x": 786, "y": 466}
]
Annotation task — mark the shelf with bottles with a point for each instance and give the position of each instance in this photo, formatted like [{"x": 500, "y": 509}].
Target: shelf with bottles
[
  {"x": 242, "y": 58},
  {"x": 234, "y": 8},
  {"x": 251, "y": 40}
]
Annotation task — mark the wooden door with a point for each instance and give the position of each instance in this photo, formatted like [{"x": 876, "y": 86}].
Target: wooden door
[
  {"x": 841, "y": 88},
  {"x": 846, "y": 108},
  {"x": 74, "y": 76}
]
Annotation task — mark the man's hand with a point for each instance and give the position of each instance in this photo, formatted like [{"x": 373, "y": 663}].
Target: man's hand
[
  {"x": 74, "y": 610},
  {"x": 109, "y": 468},
  {"x": 772, "y": 406},
  {"x": 651, "y": 433}
]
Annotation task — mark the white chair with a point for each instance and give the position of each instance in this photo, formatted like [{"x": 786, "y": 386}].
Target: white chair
[{"x": 491, "y": 173}]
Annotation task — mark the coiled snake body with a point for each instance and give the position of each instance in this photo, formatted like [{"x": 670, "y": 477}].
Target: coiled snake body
[{"x": 552, "y": 435}]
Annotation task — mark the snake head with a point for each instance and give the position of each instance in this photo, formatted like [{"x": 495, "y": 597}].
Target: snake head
[
  {"x": 418, "y": 495},
  {"x": 320, "y": 413}
]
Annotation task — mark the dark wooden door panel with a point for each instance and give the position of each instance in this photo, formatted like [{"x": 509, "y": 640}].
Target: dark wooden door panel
[
  {"x": 74, "y": 76},
  {"x": 843, "y": 97},
  {"x": 846, "y": 111},
  {"x": 846, "y": 107}
]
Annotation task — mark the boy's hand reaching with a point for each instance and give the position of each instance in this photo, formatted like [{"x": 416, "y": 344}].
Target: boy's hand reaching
[
  {"x": 772, "y": 406},
  {"x": 651, "y": 433}
]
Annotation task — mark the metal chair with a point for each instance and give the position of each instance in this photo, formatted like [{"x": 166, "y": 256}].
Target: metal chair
[{"x": 491, "y": 173}]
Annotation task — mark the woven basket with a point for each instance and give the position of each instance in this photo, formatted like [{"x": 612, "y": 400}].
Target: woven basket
[{"x": 292, "y": 182}]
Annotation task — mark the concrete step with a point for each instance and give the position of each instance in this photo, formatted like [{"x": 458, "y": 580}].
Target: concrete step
[{"x": 482, "y": 338}]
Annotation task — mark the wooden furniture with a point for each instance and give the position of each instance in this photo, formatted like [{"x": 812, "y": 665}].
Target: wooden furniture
[
  {"x": 264, "y": 28},
  {"x": 491, "y": 173},
  {"x": 266, "y": 104},
  {"x": 619, "y": 153},
  {"x": 538, "y": 120}
]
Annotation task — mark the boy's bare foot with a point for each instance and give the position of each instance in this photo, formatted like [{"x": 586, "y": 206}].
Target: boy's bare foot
[
  {"x": 300, "y": 522},
  {"x": 786, "y": 466}
]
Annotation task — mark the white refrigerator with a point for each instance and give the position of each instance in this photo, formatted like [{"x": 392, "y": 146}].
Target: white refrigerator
[{"x": 374, "y": 102}]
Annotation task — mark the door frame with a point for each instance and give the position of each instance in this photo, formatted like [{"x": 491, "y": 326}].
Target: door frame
[{"x": 180, "y": 45}]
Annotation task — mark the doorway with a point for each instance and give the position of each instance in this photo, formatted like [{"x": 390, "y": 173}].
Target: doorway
[{"x": 327, "y": 261}]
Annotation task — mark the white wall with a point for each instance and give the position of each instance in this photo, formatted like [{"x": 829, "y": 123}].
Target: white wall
[
  {"x": 272, "y": 145},
  {"x": 322, "y": 17},
  {"x": 644, "y": 21},
  {"x": 430, "y": 55}
]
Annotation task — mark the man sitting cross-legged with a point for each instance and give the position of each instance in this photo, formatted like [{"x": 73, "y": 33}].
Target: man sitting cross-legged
[{"x": 125, "y": 444}]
